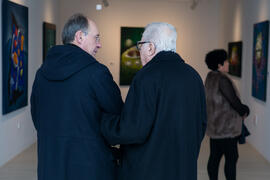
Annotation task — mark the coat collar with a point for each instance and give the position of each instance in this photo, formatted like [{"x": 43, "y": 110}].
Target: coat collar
[{"x": 164, "y": 56}]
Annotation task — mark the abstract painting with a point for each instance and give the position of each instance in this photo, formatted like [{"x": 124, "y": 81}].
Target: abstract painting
[
  {"x": 260, "y": 56},
  {"x": 49, "y": 37},
  {"x": 235, "y": 58},
  {"x": 15, "y": 56},
  {"x": 130, "y": 61}
]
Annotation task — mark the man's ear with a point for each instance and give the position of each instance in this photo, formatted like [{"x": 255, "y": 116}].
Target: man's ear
[
  {"x": 78, "y": 37},
  {"x": 152, "y": 49}
]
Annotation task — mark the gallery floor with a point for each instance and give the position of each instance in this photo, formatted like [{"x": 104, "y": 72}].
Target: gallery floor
[{"x": 251, "y": 165}]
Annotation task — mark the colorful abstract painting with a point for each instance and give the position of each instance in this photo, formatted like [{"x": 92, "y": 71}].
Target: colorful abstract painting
[
  {"x": 260, "y": 56},
  {"x": 49, "y": 37},
  {"x": 15, "y": 56},
  {"x": 235, "y": 58},
  {"x": 130, "y": 61}
]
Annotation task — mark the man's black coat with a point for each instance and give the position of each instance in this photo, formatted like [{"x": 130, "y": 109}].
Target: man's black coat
[
  {"x": 71, "y": 91},
  {"x": 163, "y": 122}
]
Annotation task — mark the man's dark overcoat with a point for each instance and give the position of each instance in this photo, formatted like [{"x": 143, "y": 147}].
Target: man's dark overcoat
[
  {"x": 163, "y": 122},
  {"x": 70, "y": 93}
]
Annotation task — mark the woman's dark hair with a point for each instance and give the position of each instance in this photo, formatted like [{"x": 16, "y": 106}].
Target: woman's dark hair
[
  {"x": 75, "y": 23},
  {"x": 214, "y": 58}
]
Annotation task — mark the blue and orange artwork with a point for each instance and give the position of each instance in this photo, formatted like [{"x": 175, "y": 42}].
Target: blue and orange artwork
[
  {"x": 15, "y": 59},
  {"x": 260, "y": 59}
]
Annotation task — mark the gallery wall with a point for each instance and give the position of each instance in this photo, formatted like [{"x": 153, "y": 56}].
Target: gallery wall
[
  {"x": 238, "y": 17},
  {"x": 16, "y": 128},
  {"x": 196, "y": 35},
  {"x": 212, "y": 24}
]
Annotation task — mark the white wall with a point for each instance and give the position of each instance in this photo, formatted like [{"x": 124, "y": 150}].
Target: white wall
[
  {"x": 13, "y": 140},
  {"x": 238, "y": 18},
  {"x": 197, "y": 30}
]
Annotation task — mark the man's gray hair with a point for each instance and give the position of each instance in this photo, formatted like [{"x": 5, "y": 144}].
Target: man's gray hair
[
  {"x": 163, "y": 35},
  {"x": 75, "y": 23}
]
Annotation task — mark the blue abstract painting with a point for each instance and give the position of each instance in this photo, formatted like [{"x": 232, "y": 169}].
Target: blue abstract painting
[
  {"x": 15, "y": 56},
  {"x": 260, "y": 58}
]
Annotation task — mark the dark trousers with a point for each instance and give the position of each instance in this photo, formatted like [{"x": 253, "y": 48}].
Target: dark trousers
[{"x": 218, "y": 148}]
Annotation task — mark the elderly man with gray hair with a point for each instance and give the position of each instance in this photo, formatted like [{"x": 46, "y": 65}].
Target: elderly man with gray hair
[{"x": 163, "y": 120}]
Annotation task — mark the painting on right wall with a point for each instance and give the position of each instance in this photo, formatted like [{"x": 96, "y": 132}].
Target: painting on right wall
[{"x": 260, "y": 58}]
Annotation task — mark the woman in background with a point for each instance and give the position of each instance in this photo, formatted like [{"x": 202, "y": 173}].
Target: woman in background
[{"x": 225, "y": 115}]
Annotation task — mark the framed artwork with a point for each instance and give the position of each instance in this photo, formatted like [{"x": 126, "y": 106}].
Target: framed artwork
[
  {"x": 49, "y": 37},
  {"x": 15, "y": 56},
  {"x": 235, "y": 58},
  {"x": 130, "y": 61},
  {"x": 260, "y": 58}
]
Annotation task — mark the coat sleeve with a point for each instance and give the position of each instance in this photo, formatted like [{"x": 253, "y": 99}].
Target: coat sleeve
[
  {"x": 107, "y": 92},
  {"x": 33, "y": 103},
  {"x": 203, "y": 114},
  {"x": 134, "y": 124}
]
